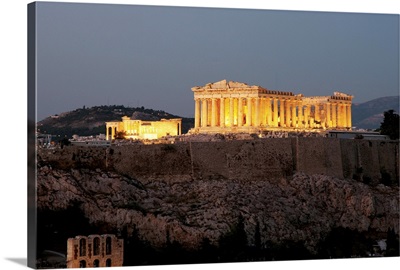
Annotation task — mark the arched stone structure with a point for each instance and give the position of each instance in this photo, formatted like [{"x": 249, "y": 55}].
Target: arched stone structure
[{"x": 94, "y": 251}]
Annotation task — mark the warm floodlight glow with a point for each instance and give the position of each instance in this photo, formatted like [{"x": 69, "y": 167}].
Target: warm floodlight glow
[{"x": 228, "y": 106}]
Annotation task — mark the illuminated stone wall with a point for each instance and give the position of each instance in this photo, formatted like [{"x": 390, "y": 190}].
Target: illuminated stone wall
[
  {"x": 139, "y": 129},
  {"x": 262, "y": 159},
  {"x": 94, "y": 251},
  {"x": 370, "y": 158},
  {"x": 224, "y": 107}
]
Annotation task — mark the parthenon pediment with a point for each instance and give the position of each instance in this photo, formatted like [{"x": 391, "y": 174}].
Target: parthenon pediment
[
  {"x": 224, "y": 84},
  {"x": 340, "y": 94},
  {"x": 231, "y": 84}
]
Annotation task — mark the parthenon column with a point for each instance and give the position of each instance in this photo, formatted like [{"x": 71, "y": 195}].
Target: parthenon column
[
  {"x": 306, "y": 114},
  {"x": 197, "y": 113},
  {"x": 208, "y": 112},
  {"x": 287, "y": 114},
  {"x": 334, "y": 107},
  {"x": 312, "y": 119},
  {"x": 240, "y": 112},
  {"x": 282, "y": 112},
  {"x": 344, "y": 115},
  {"x": 204, "y": 111},
  {"x": 107, "y": 132},
  {"x": 257, "y": 112},
  {"x": 300, "y": 114},
  {"x": 269, "y": 112},
  {"x": 262, "y": 112},
  {"x": 294, "y": 113},
  {"x": 231, "y": 111},
  {"x": 340, "y": 115},
  {"x": 275, "y": 112},
  {"x": 248, "y": 116},
  {"x": 213, "y": 112},
  {"x": 328, "y": 114},
  {"x": 349, "y": 124},
  {"x": 317, "y": 113},
  {"x": 222, "y": 112}
]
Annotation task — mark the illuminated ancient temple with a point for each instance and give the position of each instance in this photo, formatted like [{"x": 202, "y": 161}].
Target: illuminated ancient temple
[
  {"x": 237, "y": 107},
  {"x": 140, "y": 129}
]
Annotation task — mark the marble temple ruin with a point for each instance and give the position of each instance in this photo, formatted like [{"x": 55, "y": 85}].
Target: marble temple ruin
[
  {"x": 229, "y": 107},
  {"x": 140, "y": 129}
]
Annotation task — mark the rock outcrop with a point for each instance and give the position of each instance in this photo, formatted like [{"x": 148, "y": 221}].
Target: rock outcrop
[{"x": 300, "y": 207}]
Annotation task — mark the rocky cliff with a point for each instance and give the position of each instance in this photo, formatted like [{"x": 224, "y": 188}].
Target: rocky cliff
[{"x": 191, "y": 192}]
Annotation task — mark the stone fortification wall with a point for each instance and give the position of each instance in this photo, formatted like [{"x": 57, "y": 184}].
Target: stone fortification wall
[
  {"x": 244, "y": 160},
  {"x": 240, "y": 160},
  {"x": 318, "y": 156},
  {"x": 388, "y": 153},
  {"x": 260, "y": 159},
  {"x": 73, "y": 157},
  {"x": 158, "y": 161},
  {"x": 370, "y": 159}
]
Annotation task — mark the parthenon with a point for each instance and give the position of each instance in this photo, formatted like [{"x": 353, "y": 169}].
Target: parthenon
[{"x": 228, "y": 106}]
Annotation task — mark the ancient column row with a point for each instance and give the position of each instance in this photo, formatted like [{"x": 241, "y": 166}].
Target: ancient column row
[
  {"x": 337, "y": 115},
  {"x": 270, "y": 111},
  {"x": 130, "y": 127},
  {"x": 249, "y": 111},
  {"x": 324, "y": 115}
]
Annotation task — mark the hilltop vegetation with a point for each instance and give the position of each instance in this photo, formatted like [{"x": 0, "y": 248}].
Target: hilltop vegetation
[
  {"x": 369, "y": 115},
  {"x": 91, "y": 121}
]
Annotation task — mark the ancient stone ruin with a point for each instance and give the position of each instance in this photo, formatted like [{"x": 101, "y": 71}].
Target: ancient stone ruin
[
  {"x": 228, "y": 106},
  {"x": 95, "y": 251}
]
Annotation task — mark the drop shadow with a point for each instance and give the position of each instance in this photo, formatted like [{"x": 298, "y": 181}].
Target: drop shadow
[{"x": 20, "y": 261}]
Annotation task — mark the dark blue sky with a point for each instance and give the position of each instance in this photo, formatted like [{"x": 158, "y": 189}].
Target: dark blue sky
[{"x": 99, "y": 54}]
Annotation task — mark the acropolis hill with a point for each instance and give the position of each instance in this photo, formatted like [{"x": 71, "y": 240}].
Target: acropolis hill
[{"x": 295, "y": 189}]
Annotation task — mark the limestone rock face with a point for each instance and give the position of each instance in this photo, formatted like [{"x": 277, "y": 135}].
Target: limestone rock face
[{"x": 300, "y": 207}]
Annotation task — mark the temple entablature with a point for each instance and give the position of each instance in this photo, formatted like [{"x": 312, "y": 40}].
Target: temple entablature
[
  {"x": 315, "y": 100},
  {"x": 341, "y": 96}
]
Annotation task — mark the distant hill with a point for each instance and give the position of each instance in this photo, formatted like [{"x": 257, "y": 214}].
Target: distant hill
[
  {"x": 91, "y": 121},
  {"x": 369, "y": 115}
]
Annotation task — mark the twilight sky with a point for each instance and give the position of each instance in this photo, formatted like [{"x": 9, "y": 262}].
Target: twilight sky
[{"x": 99, "y": 54}]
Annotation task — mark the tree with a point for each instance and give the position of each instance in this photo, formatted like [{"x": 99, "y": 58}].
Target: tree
[
  {"x": 392, "y": 244},
  {"x": 233, "y": 244},
  {"x": 64, "y": 142},
  {"x": 257, "y": 236},
  {"x": 390, "y": 125},
  {"x": 120, "y": 135}
]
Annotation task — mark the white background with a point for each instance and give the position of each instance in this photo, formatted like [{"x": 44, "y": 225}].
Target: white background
[{"x": 13, "y": 153}]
